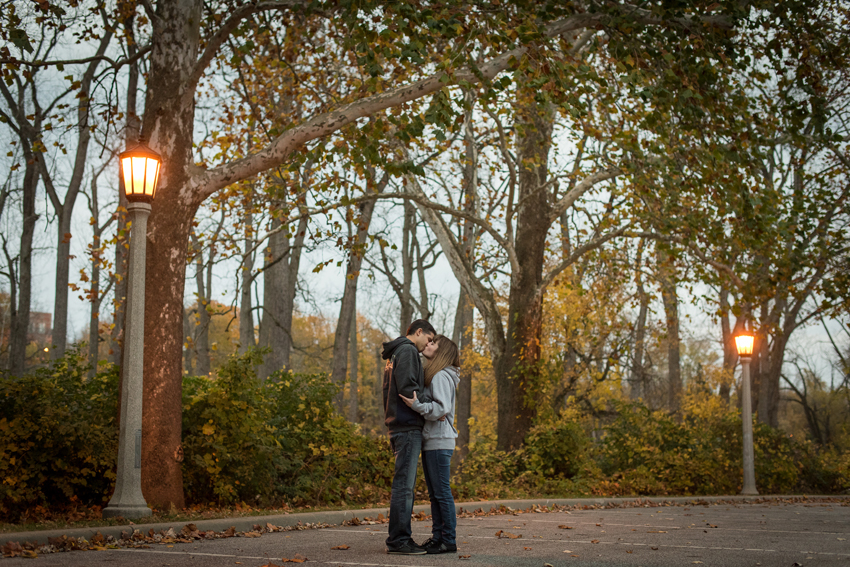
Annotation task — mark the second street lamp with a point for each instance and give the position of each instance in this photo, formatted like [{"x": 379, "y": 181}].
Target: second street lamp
[
  {"x": 140, "y": 173},
  {"x": 744, "y": 344}
]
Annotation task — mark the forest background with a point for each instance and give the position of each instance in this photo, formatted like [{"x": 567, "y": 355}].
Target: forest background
[{"x": 590, "y": 198}]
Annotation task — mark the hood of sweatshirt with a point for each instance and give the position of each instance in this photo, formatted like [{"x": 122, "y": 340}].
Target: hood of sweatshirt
[
  {"x": 390, "y": 347},
  {"x": 454, "y": 373}
]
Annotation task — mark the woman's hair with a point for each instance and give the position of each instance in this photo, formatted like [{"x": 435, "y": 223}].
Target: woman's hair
[{"x": 447, "y": 355}]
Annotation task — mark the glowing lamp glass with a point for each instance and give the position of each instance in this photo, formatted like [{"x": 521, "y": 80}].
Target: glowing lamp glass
[
  {"x": 140, "y": 169},
  {"x": 744, "y": 343}
]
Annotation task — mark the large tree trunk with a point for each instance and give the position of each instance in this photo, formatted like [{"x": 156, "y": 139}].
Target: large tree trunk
[
  {"x": 347, "y": 312},
  {"x": 169, "y": 123},
  {"x": 272, "y": 334},
  {"x": 637, "y": 375},
  {"x": 667, "y": 282},
  {"x": 353, "y": 409},
  {"x": 19, "y": 338},
  {"x": 201, "y": 335},
  {"x": 518, "y": 374},
  {"x": 730, "y": 351},
  {"x": 280, "y": 277},
  {"x": 406, "y": 316},
  {"x": 63, "y": 268},
  {"x": 462, "y": 336},
  {"x": 246, "y": 300}
]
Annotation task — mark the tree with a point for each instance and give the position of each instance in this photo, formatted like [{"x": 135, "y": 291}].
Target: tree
[{"x": 176, "y": 66}]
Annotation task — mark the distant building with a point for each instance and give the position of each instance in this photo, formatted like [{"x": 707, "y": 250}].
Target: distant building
[{"x": 41, "y": 328}]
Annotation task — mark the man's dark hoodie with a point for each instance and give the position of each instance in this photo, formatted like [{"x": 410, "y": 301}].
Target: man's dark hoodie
[{"x": 403, "y": 375}]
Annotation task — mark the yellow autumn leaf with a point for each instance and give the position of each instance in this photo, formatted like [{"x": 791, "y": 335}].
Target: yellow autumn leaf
[{"x": 208, "y": 429}]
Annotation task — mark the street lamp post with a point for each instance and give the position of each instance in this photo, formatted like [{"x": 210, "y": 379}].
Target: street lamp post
[
  {"x": 744, "y": 344},
  {"x": 140, "y": 172}
]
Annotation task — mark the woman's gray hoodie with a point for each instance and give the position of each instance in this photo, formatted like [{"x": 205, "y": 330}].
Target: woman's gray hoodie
[{"x": 440, "y": 434}]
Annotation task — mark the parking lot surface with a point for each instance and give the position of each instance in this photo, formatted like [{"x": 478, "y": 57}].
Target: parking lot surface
[{"x": 725, "y": 535}]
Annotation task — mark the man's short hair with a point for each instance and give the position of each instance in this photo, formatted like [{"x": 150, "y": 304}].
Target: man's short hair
[{"x": 421, "y": 324}]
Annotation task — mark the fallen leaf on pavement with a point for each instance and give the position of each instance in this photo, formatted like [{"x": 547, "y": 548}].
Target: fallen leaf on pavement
[
  {"x": 29, "y": 554},
  {"x": 11, "y": 549},
  {"x": 696, "y": 561},
  {"x": 253, "y": 534},
  {"x": 230, "y": 532},
  {"x": 656, "y": 532},
  {"x": 464, "y": 556},
  {"x": 501, "y": 533},
  {"x": 527, "y": 548},
  {"x": 654, "y": 548},
  {"x": 629, "y": 551},
  {"x": 297, "y": 559},
  {"x": 341, "y": 547},
  {"x": 594, "y": 541},
  {"x": 566, "y": 527}
]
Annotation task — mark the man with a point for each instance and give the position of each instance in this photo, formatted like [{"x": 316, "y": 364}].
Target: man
[{"x": 403, "y": 374}]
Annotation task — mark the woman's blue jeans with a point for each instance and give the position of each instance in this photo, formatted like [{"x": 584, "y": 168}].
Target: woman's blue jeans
[{"x": 437, "y": 467}]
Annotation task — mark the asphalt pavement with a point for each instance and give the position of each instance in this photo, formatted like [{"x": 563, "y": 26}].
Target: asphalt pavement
[{"x": 727, "y": 532}]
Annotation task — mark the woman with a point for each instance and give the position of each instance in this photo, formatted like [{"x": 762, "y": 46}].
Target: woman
[{"x": 442, "y": 375}]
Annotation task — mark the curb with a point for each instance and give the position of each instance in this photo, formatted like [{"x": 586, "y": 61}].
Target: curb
[{"x": 246, "y": 523}]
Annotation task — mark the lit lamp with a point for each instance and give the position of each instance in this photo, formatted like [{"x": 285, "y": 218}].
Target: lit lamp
[
  {"x": 140, "y": 168},
  {"x": 744, "y": 344}
]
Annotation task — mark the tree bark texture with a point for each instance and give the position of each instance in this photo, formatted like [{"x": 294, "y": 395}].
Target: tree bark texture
[
  {"x": 517, "y": 375},
  {"x": 280, "y": 277},
  {"x": 246, "y": 299},
  {"x": 353, "y": 408},
  {"x": 462, "y": 335},
  {"x": 667, "y": 282},
  {"x": 201, "y": 333},
  {"x": 169, "y": 125},
  {"x": 19, "y": 338},
  {"x": 348, "y": 305}
]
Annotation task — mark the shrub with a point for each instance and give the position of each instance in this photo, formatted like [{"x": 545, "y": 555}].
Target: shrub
[
  {"x": 246, "y": 440},
  {"x": 58, "y": 436},
  {"x": 230, "y": 445},
  {"x": 557, "y": 449}
]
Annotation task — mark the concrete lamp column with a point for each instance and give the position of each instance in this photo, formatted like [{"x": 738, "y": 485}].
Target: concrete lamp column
[
  {"x": 140, "y": 174},
  {"x": 744, "y": 343},
  {"x": 127, "y": 501}
]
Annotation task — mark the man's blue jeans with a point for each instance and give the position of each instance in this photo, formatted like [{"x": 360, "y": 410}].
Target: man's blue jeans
[
  {"x": 406, "y": 447},
  {"x": 437, "y": 467}
]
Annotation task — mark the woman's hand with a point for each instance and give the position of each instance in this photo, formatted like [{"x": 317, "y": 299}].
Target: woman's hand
[{"x": 409, "y": 401}]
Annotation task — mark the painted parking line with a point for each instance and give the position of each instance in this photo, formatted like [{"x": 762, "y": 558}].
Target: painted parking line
[
  {"x": 689, "y": 527},
  {"x": 265, "y": 557}
]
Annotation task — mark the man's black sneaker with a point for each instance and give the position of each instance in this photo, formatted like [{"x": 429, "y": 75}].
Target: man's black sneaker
[
  {"x": 432, "y": 546},
  {"x": 409, "y": 548}
]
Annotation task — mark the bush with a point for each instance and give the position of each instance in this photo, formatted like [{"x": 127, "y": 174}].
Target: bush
[
  {"x": 651, "y": 453},
  {"x": 246, "y": 440},
  {"x": 559, "y": 449},
  {"x": 58, "y": 436}
]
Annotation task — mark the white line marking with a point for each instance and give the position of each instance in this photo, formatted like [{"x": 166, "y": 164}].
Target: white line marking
[{"x": 265, "y": 557}]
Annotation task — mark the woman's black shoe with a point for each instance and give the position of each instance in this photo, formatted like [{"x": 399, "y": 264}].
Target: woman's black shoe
[{"x": 432, "y": 546}]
